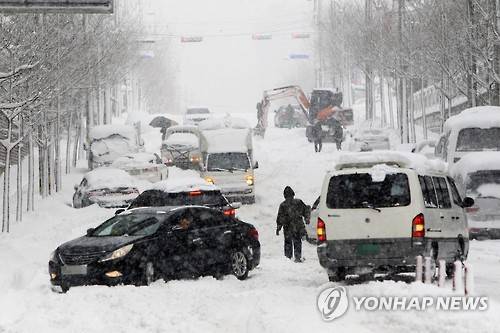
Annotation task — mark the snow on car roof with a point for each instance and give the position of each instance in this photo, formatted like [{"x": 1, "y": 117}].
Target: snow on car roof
[
  {"x": 183, "y": 181},
  {"x": 182, "y": 139},
  {"x": 402, "y": 159},
  {"x": 104, "y": 131},
  {"x": 475, "y": 161},
  {"x": 226, "y": 122},
  {"x": 227, "y": 140},
  {"x": 109, "y": 178},
  {"x": 481, "y": 117},
  {"x": 137, "y": 160}
]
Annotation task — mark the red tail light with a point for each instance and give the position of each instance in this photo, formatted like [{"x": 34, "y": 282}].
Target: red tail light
[
  {"x": 253, "y": 233},
  {"x": 321, "y": 230},
  {"x": 194, "y": 193},
  {"x": 230, "y": 212},
  {"x": 473, "y": 209},
  {"x": 418, "y": 226}
]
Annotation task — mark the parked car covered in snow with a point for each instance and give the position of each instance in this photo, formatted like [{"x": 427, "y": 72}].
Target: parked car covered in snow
[
  {"x": 370, "y": 139},
  {"x": 426, "y": 148},
  {"x": 108, "y": 142},
  {"x": 145, "y": 166},
  {"x": 191, "y": 190},
  {"x": 477, "y": 175},
  {"x": 195, "y": 115},
  {"x": 181, "y": 147},
  {"x": 473, "y": 130},
  {"x": 107, "y": 187},
  {"x": 142, "y": 245},
  {"x": 379, "y": 211}
]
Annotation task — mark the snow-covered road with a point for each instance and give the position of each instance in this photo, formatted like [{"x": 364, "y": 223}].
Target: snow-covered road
[{"x": 279, "y": 296}]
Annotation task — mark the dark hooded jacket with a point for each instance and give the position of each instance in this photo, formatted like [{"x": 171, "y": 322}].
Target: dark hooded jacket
[{"x": 292, "y": 213}]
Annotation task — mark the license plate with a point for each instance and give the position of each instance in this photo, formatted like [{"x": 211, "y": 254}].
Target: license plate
[
  {"x": 366, "y": 249},
  {"x": 74, "y": 270}
]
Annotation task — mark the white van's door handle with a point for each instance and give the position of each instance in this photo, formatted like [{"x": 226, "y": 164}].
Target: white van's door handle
[{"x": 433, "y": 230}]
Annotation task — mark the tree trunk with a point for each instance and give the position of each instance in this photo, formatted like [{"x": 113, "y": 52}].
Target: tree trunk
[
  {"x": 412, "y": 113},
  {"x": 383, "y": 115},
  {"x": 422, "y": 105},
  {"x": 19, "y": 200},
  {"x": 31, "y": 174},
  {"x": 68, "y": 143},
  {"x": 391, "y": 106},
  {"x": 6, "y": 191}
]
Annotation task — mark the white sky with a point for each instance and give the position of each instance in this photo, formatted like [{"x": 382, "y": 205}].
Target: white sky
[{"x": 229, "y": 73}]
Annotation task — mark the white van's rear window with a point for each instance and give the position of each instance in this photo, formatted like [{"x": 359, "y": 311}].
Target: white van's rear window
[{"x": 360, "y": 191}]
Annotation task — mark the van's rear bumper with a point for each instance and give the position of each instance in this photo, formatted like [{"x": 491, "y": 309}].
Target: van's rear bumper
[{"x": 370, "y": 253}]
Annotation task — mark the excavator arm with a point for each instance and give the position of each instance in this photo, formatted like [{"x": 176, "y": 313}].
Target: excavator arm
[{"x": 279, "y": 93}]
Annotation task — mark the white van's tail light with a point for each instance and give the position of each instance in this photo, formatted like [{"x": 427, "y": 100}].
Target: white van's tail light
[
  {"x": 321, "y": 230},
  {"x": 418, "y": 226},
  {"x": 473, "y": 209}
]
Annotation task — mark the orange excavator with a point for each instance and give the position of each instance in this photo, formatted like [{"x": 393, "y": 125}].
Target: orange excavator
[{"x": 323, "y": 107}]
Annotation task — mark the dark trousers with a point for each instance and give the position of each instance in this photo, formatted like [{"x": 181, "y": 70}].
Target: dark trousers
[
  {"x": 339, "y": 144},
  {"x": 318, "y": 145},
  {"x": 293, "y": 245}
]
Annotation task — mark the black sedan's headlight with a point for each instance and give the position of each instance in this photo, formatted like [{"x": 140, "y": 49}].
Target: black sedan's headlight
[{"x": 117, "y": 254}]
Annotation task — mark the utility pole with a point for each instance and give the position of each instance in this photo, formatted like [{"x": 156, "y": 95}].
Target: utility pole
[
  {"x": 369, "y": 106},
  {"x": 402, "y": 100},
  {"x": 319, "y": 52}
]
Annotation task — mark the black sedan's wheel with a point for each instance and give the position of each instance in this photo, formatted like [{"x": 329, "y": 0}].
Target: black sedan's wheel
[{"x": 239, "y": 265}]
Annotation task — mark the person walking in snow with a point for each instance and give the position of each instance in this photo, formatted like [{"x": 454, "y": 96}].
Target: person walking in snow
[
  {"x": 317, "y": 136},
  {"x": 291, "y": 216}
]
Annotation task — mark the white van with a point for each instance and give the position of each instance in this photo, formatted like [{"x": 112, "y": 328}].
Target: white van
[
  {"x": 378, "y": 212},
  {"x": 475, "y": 129}
]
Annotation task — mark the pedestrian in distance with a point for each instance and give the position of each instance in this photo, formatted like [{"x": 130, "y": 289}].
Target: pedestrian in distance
[
  {"x": 292, "y": 214},
  {"x": 317, "y": 134}
]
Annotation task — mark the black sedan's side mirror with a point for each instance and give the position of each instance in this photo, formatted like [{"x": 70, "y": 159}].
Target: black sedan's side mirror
[
  {"x": 90, "y": 232},
  {"x": 467, "y": 202},
  {"x": 119, "y": 211}
]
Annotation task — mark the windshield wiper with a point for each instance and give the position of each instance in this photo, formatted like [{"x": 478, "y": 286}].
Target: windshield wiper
[
  {"x": 368, "y": 205},
  {"x": 220, "y": 169}
]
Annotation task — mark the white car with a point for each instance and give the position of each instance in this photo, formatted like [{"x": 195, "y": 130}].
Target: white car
[
  {"x": 473, "y": 130},
  {"x": 478, "y": 175},
  {"x": 145, "y": 166},
  {"x": 181, "y": 147},
  {"x": 370, "y": 139},
  {"x": 379, "y": 211},
  {"x": 195, "y": 115},
  {"x": 107, "y": 187}
]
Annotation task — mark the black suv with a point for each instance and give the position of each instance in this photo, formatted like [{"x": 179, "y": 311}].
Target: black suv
[
  {"x": 160, "y": 198},
  {"x": 141, "y": 245}
]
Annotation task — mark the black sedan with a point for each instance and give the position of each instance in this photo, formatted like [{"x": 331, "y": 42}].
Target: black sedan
[{"x": 142, "y": 245}]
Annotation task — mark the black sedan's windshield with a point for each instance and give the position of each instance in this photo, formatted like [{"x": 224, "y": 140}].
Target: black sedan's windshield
[
  {"x": 228, "y": 162},
  {"x": 131, "y": 225},
  {"x": 157, "y": 198}
]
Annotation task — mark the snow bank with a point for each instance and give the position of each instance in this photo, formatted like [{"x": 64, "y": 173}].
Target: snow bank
[
  {"x": 183, "y": 181},
  {"x": 475, "y": 161},
  {"x": 481, "y": 117},
  {"x": 105, "y": 131},
  {"x": 405, "y": 160},
  {"x": 110, "y": 178}
]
